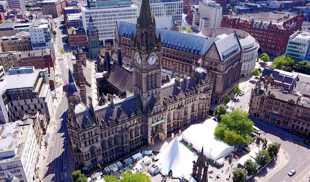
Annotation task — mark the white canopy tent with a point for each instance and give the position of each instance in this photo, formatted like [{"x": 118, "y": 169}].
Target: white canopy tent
[
  {"x": 176, "y": 158},
  {"x": 202, "y": 135},
  {"x": 137, "y": 156}
]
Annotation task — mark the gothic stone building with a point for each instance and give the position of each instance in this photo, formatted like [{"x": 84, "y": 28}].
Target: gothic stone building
[
  {"x": 116, "y": 112},
  {"x": 283, "y": 99},
  {"x": 179, "y": 51}
]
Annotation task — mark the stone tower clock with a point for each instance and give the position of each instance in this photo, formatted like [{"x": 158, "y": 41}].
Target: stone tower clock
[{"x": 146, "y": 59}]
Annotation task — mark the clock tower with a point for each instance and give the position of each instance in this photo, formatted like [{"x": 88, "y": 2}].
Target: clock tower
[{"x": 146, "y": 61}]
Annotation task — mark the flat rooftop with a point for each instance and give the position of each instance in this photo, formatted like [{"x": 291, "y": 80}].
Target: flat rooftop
[
  {"x": 22, "y": 79},
  {"x": 266, "y": 17},
  {"x": 303, "y": 35}
]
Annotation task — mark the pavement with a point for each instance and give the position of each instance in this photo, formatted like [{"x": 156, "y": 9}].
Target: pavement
[{"x": 56, "y": 161}]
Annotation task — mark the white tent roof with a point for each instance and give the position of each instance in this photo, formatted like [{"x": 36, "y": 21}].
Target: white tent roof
[
  {"x": 137, "y": 156},
  {"x": 243, "y": 159},
  {"x": 176, "y": 158},
  {"x": 202, "y": 135},
  {"x": 254, "y": 152}
]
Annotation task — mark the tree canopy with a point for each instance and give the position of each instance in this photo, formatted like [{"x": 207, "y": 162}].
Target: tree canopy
[
  {"x": 77, "y": 176},
  {"x": 285, "y": 61},
  {"x": 262, "y": 157},
  {"x": 235, "y": 128},
  {"x": 128, "y": 176},
  {"x": 264, "y": 57},
  {"x": 239, "y": 175},
  {"x": 251, "y": 167},
  {"x": 219, "y": 110},
  {"x": 273, "y": 149},
  {"x": 302, "y": 67},
  {"x": 227, "y": 99},
  {"x": 237, "y": 90},
  {"x": 255, "y": 72},
  {"x": 189, "y": 30}
]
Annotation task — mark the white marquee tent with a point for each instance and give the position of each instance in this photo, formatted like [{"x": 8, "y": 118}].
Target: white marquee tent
[
  {"x": 177, "y": 158},
  {"x": 202, "y": 135}
]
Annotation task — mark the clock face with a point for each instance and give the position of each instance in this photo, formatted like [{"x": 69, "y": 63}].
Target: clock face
[
  {"x": 151, "y": 60},
  {"x": 138, "y": 59}
]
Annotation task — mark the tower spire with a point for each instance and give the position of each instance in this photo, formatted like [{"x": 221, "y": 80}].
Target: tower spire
[{"x": 145, "y": 17}]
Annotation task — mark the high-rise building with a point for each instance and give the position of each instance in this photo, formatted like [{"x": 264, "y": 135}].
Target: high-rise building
[
  {"x": 17, "y": 4},
  {"x": 19, "y": 151},
  {"x": 298, "y": 46},
  {"x": 210, "y": 14},
  {"x": 105, "y": 15},
  {"x": 165, "y": 8}
]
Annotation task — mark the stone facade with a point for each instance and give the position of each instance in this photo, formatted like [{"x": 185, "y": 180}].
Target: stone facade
[
  {"x": 77, "y": 37},
  {"x": 282, "y": 99},
  {"x": 151, "y": 105},
  {"x": 40, "y": 59},
  {"x": 19, "y": 42},
  {"x": 181, "y": 51},
  {"x": 52, "y": 7},
  {"x": 9, "y": 60}
]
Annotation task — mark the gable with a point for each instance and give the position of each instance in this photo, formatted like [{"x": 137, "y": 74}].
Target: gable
[{"x": 213, "y": 53}]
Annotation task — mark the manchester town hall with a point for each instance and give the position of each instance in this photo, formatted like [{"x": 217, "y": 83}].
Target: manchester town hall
[{"x": 168, "y": 82}]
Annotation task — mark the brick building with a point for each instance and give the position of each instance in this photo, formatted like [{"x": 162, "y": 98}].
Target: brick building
[
  {"x": 18, "y": 42},
  {"x": 181, "y": 52},
  {"x": 42, "y": 58},
  {"x": 52, "y": 7},
  {"x": 271, "y": 30},
  {"x": 77, "y": 37},
  {"x": 9, "y": 60},
  {"x": 283, "y": 99}
]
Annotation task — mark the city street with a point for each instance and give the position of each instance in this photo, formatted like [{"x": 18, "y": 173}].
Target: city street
[
  {"x": 56, "y": 161},
  {"x": 298, "y": 157}
]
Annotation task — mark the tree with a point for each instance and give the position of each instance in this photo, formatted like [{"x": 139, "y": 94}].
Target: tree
[
  {"x": 74, "y": 52},
  {"x": 235, "y": 128},
  {"x": 128, "y": 176},
  {"x": 251, "y": 167},
  {"x": 237, "y": 90},
  {"x": 262, "y": 157},
  {"x": 264, "y": 57},
  {"x": 219, "y": 110},
  {"x": 189, "y": 30},
  {"x": 285, "y": 61},
  {"x": 183, "y": 28},
  {"x": 54, "y": 32},
  {"x": 255, "y": 72},
  {"x": 77, "y": 176},
  {"x": 62, "y": 51},
  {"x": 227, "y": 99},
  {"x": 302, "y": 66},
  {"x": 273, "y": 149},
  {"x": 239, "y": 175}
]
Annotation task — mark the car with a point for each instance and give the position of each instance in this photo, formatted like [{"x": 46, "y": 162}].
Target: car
[
  {"x": 241, "y": 94},
  {"x": 291, "y": 173},
  {"x": 218, "y": 176}
]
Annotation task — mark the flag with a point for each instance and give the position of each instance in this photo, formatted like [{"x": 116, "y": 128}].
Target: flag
[{"x": 76, "y": 94}]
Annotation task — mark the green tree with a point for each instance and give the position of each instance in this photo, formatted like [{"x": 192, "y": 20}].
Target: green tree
[
  {"x": 264, "y": 57},
  {"x": 302, "y": 66},
  {"x": 255, "y": 72},
  {"x": 262, "y": 157},
  {"x": 183, "y": 28},
  {"x": 273, "y": 149},
  {"x": 283, "y": 61},
  {"x": 54, "y": 32},
  {"x": 227, "y": 99},
  {"x": 77, "y": 176},
  {"x": 128, "y": 176},
  {"x": 189, "y": 30},
  {"x": 235, "y": 128},
  {"x": 219, "y": 110},
  {"x": 239, "y": 175},
  {"x": 62, "y": 51},
  {"x": 237, "y": 90},
  {"x": 251, "y": 167},
  {"x": 74, "y": 52}
]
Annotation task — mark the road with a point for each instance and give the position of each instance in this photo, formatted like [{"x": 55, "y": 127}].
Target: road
[
  {"x": 58, "y": 163},
  {"x": 298, "y": 153}
]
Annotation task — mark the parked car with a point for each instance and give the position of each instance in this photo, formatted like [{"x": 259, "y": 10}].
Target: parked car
[{"x": 291, "y": 173}]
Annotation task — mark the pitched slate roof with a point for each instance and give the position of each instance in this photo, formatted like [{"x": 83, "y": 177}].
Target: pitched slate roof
[
  {"x": 129, "y": 107},
  {"x": 175, "y": 40},
  {"x": 228, "y": 46},
  {"x": 121, "y": 78}
]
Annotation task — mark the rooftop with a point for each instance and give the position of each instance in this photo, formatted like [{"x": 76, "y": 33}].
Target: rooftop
[
  {"x": 28, "y": 75},
  {"x": 35, "y": 53},
  {"x": 304, "y": 35},
  {"x": 274, "y": 17}
]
